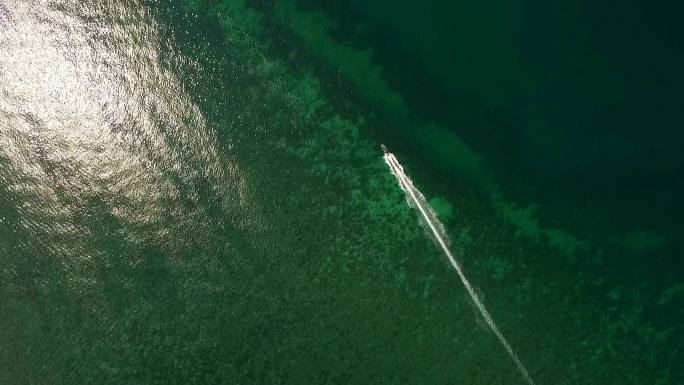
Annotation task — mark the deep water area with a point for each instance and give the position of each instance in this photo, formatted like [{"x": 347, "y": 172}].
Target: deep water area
[{"x": 194, "y": 192}]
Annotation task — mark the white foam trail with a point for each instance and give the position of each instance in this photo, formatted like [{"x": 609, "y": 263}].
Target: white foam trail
[{"x": 416, "y": 200}]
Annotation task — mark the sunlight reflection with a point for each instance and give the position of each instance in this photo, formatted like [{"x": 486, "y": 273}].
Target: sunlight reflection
[{"x": 89, "y": 114}]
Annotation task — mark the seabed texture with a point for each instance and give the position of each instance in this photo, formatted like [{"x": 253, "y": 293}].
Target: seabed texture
[{"x": 248, "y": 231}]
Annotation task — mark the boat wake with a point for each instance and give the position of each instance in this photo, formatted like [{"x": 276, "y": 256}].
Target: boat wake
[{"x": 417, "y": 201}]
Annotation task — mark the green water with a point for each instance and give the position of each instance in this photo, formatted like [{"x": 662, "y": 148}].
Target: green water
[{"x": 193, "y": 192}]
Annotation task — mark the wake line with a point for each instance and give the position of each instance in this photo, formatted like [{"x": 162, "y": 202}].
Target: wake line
[{"x": 416, "y": 200}]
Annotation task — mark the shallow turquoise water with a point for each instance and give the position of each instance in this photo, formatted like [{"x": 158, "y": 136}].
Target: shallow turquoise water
[{"x": 194, "y": 193}]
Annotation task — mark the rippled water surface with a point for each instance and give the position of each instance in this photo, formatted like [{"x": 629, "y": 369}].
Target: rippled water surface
[{"x": 193, "y": 192}]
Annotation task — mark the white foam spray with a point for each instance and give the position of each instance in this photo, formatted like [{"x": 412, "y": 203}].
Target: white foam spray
[{"x": 416, "y": 200}]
